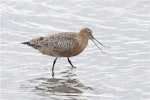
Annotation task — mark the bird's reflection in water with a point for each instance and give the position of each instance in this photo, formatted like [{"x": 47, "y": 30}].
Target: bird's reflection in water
[{"x": 60, "y": 86}]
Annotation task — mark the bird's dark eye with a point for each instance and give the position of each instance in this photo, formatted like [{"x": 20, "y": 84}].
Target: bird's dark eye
[{"x": 89, "y": 32}]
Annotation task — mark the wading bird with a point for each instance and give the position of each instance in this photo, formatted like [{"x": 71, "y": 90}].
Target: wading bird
[{"x": 65, "y": 44}]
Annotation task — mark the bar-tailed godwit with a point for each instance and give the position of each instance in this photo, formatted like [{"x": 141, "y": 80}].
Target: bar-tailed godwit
[{"x": 65, "y": 44}]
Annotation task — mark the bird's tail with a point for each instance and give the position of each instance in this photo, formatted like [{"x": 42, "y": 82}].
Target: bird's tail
[
  {"x": 25, "y": 43},
  {"x": 32, "y": 45}
]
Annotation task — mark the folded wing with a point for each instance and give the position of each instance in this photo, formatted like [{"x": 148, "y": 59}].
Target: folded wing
[{"x": 58, "y": 42}]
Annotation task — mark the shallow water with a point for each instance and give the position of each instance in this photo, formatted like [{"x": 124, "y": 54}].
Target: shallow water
[{"x": 123, "y": 73}]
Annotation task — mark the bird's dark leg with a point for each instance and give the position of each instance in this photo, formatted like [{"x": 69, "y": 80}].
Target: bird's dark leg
[
  {"x": 53, "y": 67},
  {"x": 70, "y": 63}
]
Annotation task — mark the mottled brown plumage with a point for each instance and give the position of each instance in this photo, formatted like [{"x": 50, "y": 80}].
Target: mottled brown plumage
[{"x": 66, "y": 44}]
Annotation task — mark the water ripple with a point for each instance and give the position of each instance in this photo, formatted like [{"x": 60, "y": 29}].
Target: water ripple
[{"x": 120, "y": 74}]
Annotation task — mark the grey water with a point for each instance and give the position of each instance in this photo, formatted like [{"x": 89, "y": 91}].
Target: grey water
[{"x": 123, "y": 73}]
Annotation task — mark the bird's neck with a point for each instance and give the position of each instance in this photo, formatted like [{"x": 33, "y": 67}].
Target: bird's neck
[{"x": 84, "y": 40}]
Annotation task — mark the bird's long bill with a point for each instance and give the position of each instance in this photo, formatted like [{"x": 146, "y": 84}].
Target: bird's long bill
[{"x": 99, "y": 43}]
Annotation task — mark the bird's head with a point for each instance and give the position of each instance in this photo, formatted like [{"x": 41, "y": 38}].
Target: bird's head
[{"x": 87, "y": 33}]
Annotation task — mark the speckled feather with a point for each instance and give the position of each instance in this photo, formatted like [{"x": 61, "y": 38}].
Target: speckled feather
[{"x": 60, "y": 42}]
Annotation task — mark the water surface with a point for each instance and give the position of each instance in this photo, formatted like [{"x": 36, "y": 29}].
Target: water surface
[{"x": 123, "y": 73}]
